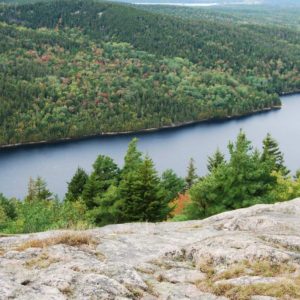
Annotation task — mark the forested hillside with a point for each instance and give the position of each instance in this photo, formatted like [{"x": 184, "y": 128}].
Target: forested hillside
[
  {"x": 75, "y": 68},
  {"x": 286, "y": 16}
]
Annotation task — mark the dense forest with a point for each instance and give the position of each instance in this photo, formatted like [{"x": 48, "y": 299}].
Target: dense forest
[
  {"x": 137, "y": 193},
  {"x": 287, "y": 16},
  {"x": 75, "y": 68}
]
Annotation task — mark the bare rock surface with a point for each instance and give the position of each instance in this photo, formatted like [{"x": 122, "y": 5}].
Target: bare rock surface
[{"x": 211, "y": 259}]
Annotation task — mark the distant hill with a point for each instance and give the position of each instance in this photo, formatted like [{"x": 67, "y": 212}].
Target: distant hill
[{"x": 76, "y": 76}]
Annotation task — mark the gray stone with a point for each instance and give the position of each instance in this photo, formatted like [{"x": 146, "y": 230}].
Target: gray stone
[{"x": 153, "y": 261}]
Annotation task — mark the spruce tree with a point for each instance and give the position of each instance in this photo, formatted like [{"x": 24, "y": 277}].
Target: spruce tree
[
  {"x": 142, "y": 195},
  {"x": 108, "y": 208},
  {"x": 191, "y": 177},
  {"x": 172, "y": 184},
  {"x": 133, "y": 157},
  {"x": 215, "y": 160},
  {"x": 76, "y": 185},
  {"x": 105, "y": 173},
  {"x": 273, "y": 155},
  {"x": 37, "y": 190},
  {"x": 242, "y": 181}
]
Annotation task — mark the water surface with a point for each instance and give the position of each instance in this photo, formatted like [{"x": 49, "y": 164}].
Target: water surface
[{"x": 169, "y": 149}]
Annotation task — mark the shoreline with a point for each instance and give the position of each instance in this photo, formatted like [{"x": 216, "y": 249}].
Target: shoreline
[
  {"x": 289, "y": 94},
  {"x": 141, "y": 131}
]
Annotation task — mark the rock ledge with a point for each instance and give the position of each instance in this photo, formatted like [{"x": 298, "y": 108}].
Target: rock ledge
[{"x": 251, "y": 253}]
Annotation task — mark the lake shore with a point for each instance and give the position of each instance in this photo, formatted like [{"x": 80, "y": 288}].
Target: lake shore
[
  {"x": 146, "y": 130},
  {"x": 172, "y": 148}
]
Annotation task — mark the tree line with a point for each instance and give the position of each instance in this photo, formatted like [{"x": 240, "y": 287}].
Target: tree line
[{"x": 137, "y": 193}]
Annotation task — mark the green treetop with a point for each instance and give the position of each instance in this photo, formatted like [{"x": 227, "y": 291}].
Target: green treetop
[
  {"x": 172, "y": 184},
  {"x": 272, "y": 153},
  {"x": 191, "y": 177},
  {"x": 37, "y": 190},
  {"x": 133, "y": 157},
  {"x": 105, "y": 173},
  {"x": 215, "y": 160},
  {"x": 76, "y": 185}
]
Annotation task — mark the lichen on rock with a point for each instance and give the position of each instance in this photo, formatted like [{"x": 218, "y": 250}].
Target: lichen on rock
[{"x": 251, "y": 253}]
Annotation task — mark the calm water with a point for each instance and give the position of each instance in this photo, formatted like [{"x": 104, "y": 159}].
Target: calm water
[{"x": 169, "y": 149}]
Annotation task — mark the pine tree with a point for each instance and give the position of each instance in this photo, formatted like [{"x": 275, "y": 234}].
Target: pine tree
[
  {"x": 30, "y": 190},
  {"x": 272, "y": 153},
  {"x": 172, "y": 184},
  {"x": 105, "y": 173},
  {"x": 108, "y": 209},
  {"x": 37, "y": 190},
  {"x": 215, "y": 160},
  {"x": 242, "y": 181},
  {"x": 133, "y": 157},
  {"x": 142, "y": 196},
  {"x": 76, "y": 185},
  {"x": 191, "y": 177}
]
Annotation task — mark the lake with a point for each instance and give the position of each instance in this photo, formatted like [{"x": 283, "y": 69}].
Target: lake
[{"x": 171, "y": 148}]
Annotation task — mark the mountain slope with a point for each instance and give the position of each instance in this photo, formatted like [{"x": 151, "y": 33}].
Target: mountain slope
[
  {"x": 78, "y": 78},
  {"x": 56, "y": 85},
  {"x": 249, "y": 50}
]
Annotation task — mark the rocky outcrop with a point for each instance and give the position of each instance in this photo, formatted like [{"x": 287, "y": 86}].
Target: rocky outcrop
[{"x": 251, "y": 253}]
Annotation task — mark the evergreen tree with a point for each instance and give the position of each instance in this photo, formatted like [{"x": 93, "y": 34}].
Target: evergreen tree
[
  {"x": 246, "y": 179},
  {"x": 242, "y": 181},
  {"x": 142, "y": 196},
  {"x": 105, "y": 173},
  {"x": 133, "y": 157},
  {"x": 108, "y": 209},
  {"x": 206, "y": 196},
  {"x": 76, "y": 185},
  {"x": 172, "y": 184},
  {"x": 272, "y": 153},
  {"x": 191, "y": 177},
  {"x": 215, "y": 160},
  {"x": 9, "y": 207},
  {"x": 37, "y": 190}
]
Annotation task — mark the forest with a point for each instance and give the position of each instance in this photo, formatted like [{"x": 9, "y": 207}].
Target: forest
[
  {"x": 138, "y": 193},
  {"x": 287, "y": 16},
  {"x": 77, "y": 68}
]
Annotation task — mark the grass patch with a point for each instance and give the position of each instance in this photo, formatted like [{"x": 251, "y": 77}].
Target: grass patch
[
  {"x": 136, "y": 292},
  {"x": 207, "y": 267},
  {"x": 161, "y": 264},
  {"x": 145, "y": 270},
  {"x": 263, "y": 268},
  {"x": 42, "y": 261},
  {"x": 286, "y": 288},
  {"x": 150, "y": 288},
  {"x": 68, "y": 238}
]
